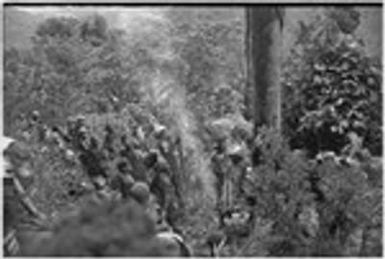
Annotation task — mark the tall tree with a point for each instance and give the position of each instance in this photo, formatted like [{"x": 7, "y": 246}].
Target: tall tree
[{"x": 263, "y": 45}]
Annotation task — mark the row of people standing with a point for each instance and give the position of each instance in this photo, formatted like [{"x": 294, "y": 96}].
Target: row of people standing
[{"x": 145, "y": 178}]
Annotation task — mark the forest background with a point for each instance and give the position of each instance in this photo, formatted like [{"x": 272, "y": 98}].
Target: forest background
[{"x": 184, "y": 67}]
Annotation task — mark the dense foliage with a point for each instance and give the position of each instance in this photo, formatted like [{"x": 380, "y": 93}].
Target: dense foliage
[
  {"x": 332, "y": 88},
  {"x": 314, "y": 208},
  {"x": 161, "y": 104}
]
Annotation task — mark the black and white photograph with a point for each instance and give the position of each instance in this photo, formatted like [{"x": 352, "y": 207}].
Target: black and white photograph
[{"x": 192, "y": 129}]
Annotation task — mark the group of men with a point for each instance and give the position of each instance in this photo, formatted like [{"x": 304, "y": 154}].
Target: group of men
[
  {"x": 150, "y": 192},
  {"x": 145, "y": 175}
]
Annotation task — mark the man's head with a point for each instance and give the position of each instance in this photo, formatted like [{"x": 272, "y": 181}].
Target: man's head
[
  {"x": 236, "y": 153},
  {"x": 140, "y": 192},
  {"x": 35, "y": 116},
  {"x": 80, "y": 119},
  {"x": 17, "y": 156},
  {"x": 100, "y": 182},
  {"x": 7, "y": 165},
  {"x": 151, "y": 159}
]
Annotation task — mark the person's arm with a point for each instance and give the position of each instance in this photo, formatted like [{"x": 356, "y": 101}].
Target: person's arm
[{"x": 26, "y": 200}]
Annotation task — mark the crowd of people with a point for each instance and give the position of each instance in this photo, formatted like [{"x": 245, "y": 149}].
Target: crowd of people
[
  {"x": 142, "y": 174},
  {"x": 143, "y": 178}
]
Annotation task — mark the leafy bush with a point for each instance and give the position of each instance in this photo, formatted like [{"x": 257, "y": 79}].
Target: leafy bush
[
  {"x": 281, "y": 189},
  {"x": 314, "y": 208},
  {"x": 331, "y": 88}
]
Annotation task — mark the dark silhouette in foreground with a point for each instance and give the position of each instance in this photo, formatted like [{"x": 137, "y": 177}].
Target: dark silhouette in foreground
[{"x": 114, "y": 228}]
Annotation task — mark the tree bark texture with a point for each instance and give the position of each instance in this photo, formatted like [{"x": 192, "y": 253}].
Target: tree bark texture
[{"x": 263, "y": 47}]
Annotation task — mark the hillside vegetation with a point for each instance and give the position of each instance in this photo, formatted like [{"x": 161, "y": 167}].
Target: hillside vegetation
[{"x": 131, "y": 122}]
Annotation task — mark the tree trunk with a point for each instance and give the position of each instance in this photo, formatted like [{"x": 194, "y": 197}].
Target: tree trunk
[{"x": 263, "y": 46}]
